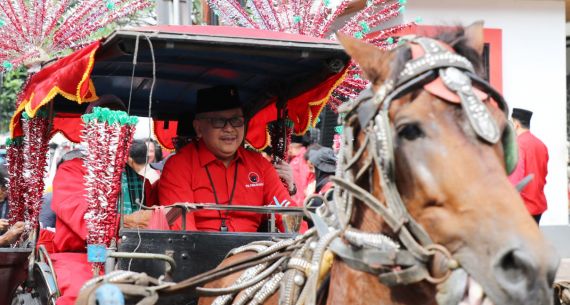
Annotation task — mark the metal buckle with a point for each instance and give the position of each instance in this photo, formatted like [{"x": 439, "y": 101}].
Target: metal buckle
[{"x": 451, "y": 264}]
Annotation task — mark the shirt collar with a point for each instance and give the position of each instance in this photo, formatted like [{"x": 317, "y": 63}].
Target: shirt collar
[{"x": 205, "y": 156}]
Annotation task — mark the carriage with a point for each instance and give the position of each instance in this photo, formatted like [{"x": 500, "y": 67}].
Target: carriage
[{"x": 157, "y": 71}]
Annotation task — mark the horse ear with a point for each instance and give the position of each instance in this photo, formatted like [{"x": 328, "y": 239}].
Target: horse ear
[
  {"x": 475, "y": 37},
  {"x": 375, "y": 63}
]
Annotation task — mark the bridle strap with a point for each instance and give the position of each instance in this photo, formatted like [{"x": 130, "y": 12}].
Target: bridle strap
[
  {"x": 414, "y": 274},
  {"x": 373, "y": 203},
  {"x": 435, "y": 56},
  {"x": 495, "y": 95},
  {"x": 372, "y": 260},
  {"x": 371, "y": 101},
  {"x": 357, "y": 155},
  {"x": 382, "y": 152}
]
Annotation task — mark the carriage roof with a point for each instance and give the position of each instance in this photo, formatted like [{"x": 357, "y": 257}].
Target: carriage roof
[
  {"x": 261, "y": 64},
  {"x": 265, "y": 66}
]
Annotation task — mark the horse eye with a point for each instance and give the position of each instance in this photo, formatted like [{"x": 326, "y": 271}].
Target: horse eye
[{"x": 410, "y": 132}]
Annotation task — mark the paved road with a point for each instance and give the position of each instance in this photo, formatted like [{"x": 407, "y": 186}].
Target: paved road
[{"x": 559, "y": 236}]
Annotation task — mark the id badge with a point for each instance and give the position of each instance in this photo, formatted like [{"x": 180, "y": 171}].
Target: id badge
[{"x": 223, "y": 227}]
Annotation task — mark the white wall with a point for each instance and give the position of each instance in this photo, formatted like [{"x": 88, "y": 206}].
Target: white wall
[{"x": 534, "y": 71}]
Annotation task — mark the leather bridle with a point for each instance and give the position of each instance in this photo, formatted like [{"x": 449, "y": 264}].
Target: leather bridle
[{"x": 410, "y": 259}]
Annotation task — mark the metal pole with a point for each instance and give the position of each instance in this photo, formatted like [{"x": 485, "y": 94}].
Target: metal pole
[
  {"x": 150, "y": 256},
  {"x": 176, "y": 12}
]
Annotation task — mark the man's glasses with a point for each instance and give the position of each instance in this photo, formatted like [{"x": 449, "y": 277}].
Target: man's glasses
[{"x": 222, "y": 122}]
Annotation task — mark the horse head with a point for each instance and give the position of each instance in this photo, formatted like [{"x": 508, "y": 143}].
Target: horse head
[{"x": 431, "y": 146}]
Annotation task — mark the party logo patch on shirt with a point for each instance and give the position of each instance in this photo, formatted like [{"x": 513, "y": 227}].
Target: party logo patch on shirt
[{"x": 254, "y": 179}]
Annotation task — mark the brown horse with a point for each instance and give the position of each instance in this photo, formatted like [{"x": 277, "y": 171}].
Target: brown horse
[{"x": 442, "y": 152}]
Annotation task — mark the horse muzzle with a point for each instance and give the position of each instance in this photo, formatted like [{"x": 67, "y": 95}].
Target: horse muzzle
[
  {"x": 521, "y": 275},
  {"x": 462, "y": 289},
  {"x": 515, "y": 277}
]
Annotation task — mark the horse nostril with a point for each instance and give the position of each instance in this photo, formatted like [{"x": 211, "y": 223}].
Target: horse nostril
[
  {"x": 522, "y": 275},
  {"x": 516, "y": 267}
]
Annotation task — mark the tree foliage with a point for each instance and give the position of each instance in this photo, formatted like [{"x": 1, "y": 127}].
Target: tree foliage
[{"x": 11, "y": 86}]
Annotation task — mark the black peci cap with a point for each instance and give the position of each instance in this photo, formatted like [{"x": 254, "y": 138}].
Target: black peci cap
[
  {"x": 217, "y": 98},
  {"x": 522, "y": 115}
]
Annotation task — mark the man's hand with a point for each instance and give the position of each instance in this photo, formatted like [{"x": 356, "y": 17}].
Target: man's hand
[
  {"x": 4, "y": 224},
  {"x": 138, "y": 219},
  {"x": 12, "y": 234},
  {"x": 286, "y": 174}
]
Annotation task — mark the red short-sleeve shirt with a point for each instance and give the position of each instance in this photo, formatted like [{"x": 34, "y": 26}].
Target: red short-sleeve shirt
[{"x": 185, "y": 179}]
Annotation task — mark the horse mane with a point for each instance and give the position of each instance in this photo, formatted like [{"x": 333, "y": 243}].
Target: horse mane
[{"x": 455, "y": 38}]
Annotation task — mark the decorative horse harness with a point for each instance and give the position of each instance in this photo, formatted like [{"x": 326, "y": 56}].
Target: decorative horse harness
[
  {"x": 299, "y": 266},
  {"x": 444, "y": 74}
]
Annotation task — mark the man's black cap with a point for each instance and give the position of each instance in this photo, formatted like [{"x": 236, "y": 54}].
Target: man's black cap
[
  {"x": 522, "y": 115},
  {"x": 217, "y": 98}
]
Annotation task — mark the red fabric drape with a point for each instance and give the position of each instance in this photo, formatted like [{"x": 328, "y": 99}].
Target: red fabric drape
[
  {"x": 69, "y": 125},
  {"x": 69, "y": 77},
  {"x": 164, "y": 132},
  {"x": 303, "y": 110}
]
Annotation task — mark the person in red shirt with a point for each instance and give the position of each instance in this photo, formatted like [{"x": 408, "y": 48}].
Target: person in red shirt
[
  {"x": 533, "y": 160},
  {"x": 301, "y": 173},
  {"x": 217, "y": 169},
  {"x": 69, "y": 204}
]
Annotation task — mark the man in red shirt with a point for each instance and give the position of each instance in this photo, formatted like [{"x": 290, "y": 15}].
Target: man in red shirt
[
  {"x": 533, "y": 160},
  {"x": 217, "y": 169}
]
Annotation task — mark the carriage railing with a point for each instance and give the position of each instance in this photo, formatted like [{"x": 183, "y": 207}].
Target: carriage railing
[{"x": 181, "y": 209}]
